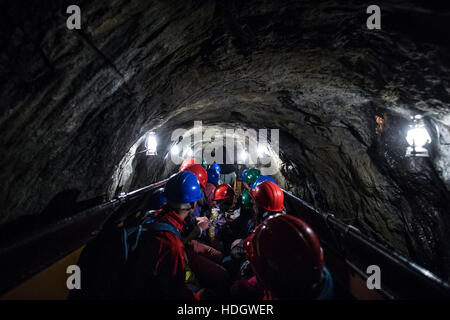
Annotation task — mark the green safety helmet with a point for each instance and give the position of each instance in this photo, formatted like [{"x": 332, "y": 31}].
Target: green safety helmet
[
  {"x": 246, "y": 200},
  {"x": 251, "y": 175}
]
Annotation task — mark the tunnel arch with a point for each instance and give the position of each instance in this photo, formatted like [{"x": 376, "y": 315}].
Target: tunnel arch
[{"x": 78, "y": 102}]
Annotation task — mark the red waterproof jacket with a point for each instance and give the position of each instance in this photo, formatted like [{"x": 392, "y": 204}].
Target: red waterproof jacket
[{"x": 159, "y": 264}]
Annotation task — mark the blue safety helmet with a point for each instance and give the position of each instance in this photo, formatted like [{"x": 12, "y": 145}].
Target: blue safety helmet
[
  {"x": 157, "y": 199},
  {"x": 261, "y": 179},
  {"x": 242, "y": 175},
  {"x": 215, "y": 166},
  {"x": 183, "y": 188},
  {"x": 213, "y": 175}
]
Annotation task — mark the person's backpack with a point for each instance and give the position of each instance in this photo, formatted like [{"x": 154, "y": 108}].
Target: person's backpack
[
  {"x": 128, "y": 279},
  {"x": 103, "y": 259},
  {"x": 103, "y": 262}
]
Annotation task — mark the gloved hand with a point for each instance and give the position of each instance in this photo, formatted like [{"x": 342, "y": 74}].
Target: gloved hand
[
  {"x": 232, "y": 215},
  {"x": 203, "y": 223}
]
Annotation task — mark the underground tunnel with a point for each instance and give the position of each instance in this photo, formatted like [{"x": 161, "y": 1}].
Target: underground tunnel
[{"x": 354, "y": 122}]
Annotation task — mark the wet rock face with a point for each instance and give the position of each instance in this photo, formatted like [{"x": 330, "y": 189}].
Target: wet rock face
[{"x": 75, "y": 102}]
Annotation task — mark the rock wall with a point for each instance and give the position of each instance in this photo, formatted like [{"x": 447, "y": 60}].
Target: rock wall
[{"x": 75, "y": 102}]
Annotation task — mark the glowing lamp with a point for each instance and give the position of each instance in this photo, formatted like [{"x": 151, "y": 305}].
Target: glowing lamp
[
  {"x": 417, "y": 137},
  {"x": 151, "y": 144}
]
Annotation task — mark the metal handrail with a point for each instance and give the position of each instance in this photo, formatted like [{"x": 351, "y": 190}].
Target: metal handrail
[
  {"x": 27, "y": 254},
  {"x": 81, "y": 216},
  {"x": 349, "y": 236}
]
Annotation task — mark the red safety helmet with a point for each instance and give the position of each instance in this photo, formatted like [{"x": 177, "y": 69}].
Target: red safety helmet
[
  {"x": 200, "y": 172},
  {"x": 224, "y": 191},
  {"x": 286, "y": 256},
  {"x": 187, "y": 162},
  {"x": 268, "y": 196}
]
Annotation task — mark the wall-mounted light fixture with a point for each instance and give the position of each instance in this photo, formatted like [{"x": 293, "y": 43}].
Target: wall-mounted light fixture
[
  {"x": 417, "y": 138},
  {"x": 151, "y": 144}
]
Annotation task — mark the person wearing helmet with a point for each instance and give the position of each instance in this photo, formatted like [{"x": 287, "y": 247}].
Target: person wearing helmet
[
  {"x": 211, "y": 185},
  {"x": 261, "y": 179},
  {"x": 157, "y": 199},
  {"x": 215, "y": 166},
  {"x": 187, "y": 162},
  {"x": 243, "y": 212},
  {"x": 243, "y": 223},
  {"x": 213, "y": 176},
  {"x": 246, "y": 200},
  {"x": 268, "y": 199},
  {"x": 223, "y": 196},
  {"x": 154, "y": 202},
  {"x": 286, "y": 256},
  {"x": 196, "y": 223},
  {"x": 250, "y": 177},
  {"x": 241, "y": 226},
  {"x": 224, "y": 192},
  {"x": 202, "y": 177},
  {"x": 158, "y": 263},
  {"x": 191, "y": 230},
  {"x": 204, "y": 259},
  {"x": 199, "y": 172}
]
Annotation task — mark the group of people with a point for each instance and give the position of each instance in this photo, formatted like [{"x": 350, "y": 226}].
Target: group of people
[{"x": 201, "y": 241}]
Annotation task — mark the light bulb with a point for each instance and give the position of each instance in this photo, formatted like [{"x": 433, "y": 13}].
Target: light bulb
[
  {"x": 151, "y": 144},
  {"x": 418, "y": 137}
]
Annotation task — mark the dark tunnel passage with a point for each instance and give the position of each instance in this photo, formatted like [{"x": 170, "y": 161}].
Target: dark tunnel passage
[{"x": 77, "y": 105}]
